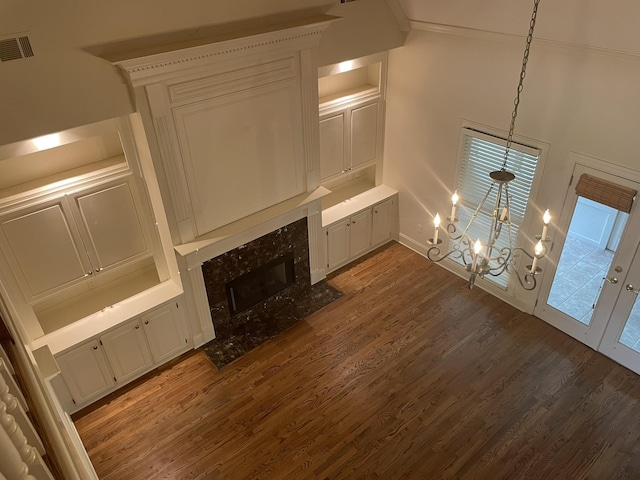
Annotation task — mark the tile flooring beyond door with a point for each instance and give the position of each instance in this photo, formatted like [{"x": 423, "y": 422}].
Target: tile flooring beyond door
[{"x": 578, "y": 281}]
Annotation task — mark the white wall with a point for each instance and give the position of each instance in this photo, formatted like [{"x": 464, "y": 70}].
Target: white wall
[
  {"x": 573, "y": 100},
  {"x": 610, "y": 24},
  {"x": 63, "y": 86}
]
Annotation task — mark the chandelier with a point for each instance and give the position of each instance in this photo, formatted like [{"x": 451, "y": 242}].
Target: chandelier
[{"x": 490, "y": 259}]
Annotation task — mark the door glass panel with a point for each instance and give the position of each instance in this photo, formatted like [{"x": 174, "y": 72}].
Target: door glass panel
[
  {"x": 593, "y": 236},
  {"x": 631, "y": 333}
]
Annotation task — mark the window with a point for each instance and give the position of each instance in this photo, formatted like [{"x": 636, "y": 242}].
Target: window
[{"x": 480, "y": 155}]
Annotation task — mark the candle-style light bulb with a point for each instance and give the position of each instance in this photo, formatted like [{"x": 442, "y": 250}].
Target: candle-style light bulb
[
  {"x": 454, "y": 205},
  {"x": 546, "y": 218},
  {"x": 436, "y": 224},
  {"x": 503, "y": 216},
  {"x": 477, "y": 248},
  {"x": 538, "y": 249}
]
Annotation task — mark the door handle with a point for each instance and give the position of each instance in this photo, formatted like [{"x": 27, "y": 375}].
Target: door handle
[
  {"x": 630, "y": 288},
  {"x": 613, "y": 280}
]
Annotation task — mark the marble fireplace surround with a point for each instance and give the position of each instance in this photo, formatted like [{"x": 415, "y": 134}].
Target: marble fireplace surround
[
  {"x": 232, "y": 240},
  {"x": 292, "y": 238}
]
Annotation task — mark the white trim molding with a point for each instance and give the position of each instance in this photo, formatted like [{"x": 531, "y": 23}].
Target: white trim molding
[{"x": 519, "y": 39}]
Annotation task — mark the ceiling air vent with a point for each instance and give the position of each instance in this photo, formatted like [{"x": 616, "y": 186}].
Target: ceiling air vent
[{"x": 15, "y": 48}]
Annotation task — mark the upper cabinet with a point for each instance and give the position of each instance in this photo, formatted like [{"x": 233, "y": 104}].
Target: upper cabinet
[
  {"x": 60, "y": 241},
  {"x": 351, "y": 108}
]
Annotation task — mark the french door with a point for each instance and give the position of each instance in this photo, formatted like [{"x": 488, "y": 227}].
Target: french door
[{"x": 590, "y": 289}]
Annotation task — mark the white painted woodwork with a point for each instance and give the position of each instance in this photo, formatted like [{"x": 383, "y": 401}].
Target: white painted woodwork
[
  {"x": 112, "y": 224},
  {"x": 360, "y": 233},
  {"x": 359, "y": 224},
  {"x": 248, "y": 143},
  {"x": 347, "y": 204},
  {"x": 232, "y": 129},
  {"x": 165, "y": 332},
  {"x": 333, "y": 156},
  {"x": 351, "y": 115},
  {"x": 121, "y": 354},
  {"x": 364, "y": 133},
  {"x": 338, "y": 244},
  {"x": 44, "y": 247},
  {"x": 17, "y": 411},
  {"x": 86, "y": 371},
  {"x": 127, "y": 351},
  {"x": 12, "y": 466},
  {"x": 382, "y": 222},
  {"x": 360, "y": 138}
]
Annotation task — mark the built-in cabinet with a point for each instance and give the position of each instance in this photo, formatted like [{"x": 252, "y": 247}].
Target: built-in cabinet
[
  {"x": 359, "y": 224},
  {"x": 87, "y": 258},
  {"x": 106, "y": 362},
  {"x": 57, "y": 242},
  {"x": 360, "y": 213},
  {"x": 351, "y": 116},
  {"x": 350, "y": 138}
]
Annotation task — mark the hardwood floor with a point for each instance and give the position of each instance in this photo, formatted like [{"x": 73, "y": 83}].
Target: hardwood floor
[{"x": 408, "y": 375}]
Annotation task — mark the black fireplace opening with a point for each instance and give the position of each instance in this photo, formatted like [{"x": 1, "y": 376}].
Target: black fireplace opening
[{"x": 260, "y": 283}]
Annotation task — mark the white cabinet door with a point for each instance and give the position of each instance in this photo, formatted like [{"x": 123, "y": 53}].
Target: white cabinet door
[
  {"x": 86, "y": 372},
  {"x": 127, "y": 351},
  {"x": 338, "y": 244},
  {"x": 360, "y": 233},
  {"x": 364, "y": 133},
  {"x": 332, "y": 144},
  {"x": 112, "y": 225},
  {"x": 166, "y": 332},
  {"x": 43, "y": 247},
  {"x": 381, "y": 222}
]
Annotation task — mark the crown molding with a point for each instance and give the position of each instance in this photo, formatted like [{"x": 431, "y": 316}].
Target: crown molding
[
  {"x": 144, "y": 67},
  {"x": 519, "y": 39}
]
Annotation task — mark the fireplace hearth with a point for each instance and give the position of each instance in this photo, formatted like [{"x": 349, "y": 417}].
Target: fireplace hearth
[{"x": 275, "y": 268}]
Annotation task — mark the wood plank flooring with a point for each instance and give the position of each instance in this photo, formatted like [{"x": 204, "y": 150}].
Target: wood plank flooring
[{"x": 408, "y": 376}]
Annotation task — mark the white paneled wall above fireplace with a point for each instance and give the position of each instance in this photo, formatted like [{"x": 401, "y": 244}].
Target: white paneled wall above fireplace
[{"x": 234, "y": 119}]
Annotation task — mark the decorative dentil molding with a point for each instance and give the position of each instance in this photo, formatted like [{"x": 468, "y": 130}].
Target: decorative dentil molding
[{"x": 144, "y": 68}]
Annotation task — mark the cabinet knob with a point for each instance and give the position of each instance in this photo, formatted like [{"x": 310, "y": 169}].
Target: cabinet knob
[
  {"x": 90, "y": 272},
  {"x": 137, "y": 327},
  {"x": 146, "y": 322},
  {"x": 95, "y": 347},
  {"x": 375, "y": 211},
  {"x": 353, "y": 221}
]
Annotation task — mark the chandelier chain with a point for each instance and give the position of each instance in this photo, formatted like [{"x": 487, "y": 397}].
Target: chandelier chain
[{"x": 523, "y": 72}]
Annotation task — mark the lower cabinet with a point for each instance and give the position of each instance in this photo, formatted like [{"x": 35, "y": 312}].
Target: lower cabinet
[
  {"x": 86, "y": 372},
  {"x": 352, "y": 237},
  {"x": 100, "y": 365}
]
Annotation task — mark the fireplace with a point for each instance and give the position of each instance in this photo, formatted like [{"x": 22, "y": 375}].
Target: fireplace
[
  {"x": 260, "y": 284},
  {"x": 271, "y": 284}
]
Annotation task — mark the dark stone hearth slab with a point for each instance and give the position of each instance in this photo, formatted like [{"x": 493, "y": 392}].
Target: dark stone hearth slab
[{"x": 263, "y": 322}]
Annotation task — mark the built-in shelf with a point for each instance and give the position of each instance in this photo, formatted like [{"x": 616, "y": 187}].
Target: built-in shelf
[
  {"x": 62, "y": 180},
  {"x": 350, "y": 81},
  {"x": 352, "y": 204},
  {"x": 147, "y": 296},
  {"x": 76, "y": 308}
]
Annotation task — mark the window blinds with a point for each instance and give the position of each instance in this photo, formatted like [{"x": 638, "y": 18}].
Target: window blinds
[
  {"x": 605, "y": 192},
  {"x": 482, "y": 154}
]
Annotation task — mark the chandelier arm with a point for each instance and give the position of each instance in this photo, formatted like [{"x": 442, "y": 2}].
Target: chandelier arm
[
  {"x": 529, "y": 282},
  {"x": 433, "y": 254},
  {"x": 475, "y": 213}
]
